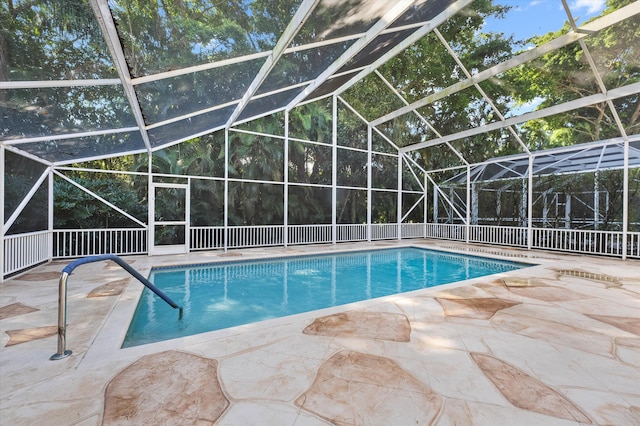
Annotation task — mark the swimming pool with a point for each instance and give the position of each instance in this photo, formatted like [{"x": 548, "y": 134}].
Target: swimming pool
[{"x": 221, "y": 295}]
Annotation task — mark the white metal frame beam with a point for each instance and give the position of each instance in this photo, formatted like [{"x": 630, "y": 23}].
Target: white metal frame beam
[
  {"x": 105, "y": 20},
  {"x": 18, "y": 151},
  {"x": 25, "y": 200},
  {"x": 302, "y": 14},
  {"x": 59, "y": 83},
  {"x": 420, "y": 117},
  {"x": 568, "y": 151},
  {"x": 545, "y": 112},
  {"x": 479, "y": 89},
  {"x": 566, "y": 39},
  {"x": 394, "y": 13},
  {"x": 418, "y": 34},
  {"x": 68, "y": 136},
  {"x": 99, "y": 198}
]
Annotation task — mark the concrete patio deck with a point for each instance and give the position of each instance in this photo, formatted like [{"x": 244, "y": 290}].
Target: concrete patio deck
[{"x": 555, "y": 344}]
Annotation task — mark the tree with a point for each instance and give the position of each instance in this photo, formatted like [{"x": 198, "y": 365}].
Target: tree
[
  {"x": 427, "y": 67},
  {"x": 564, "y": 75},
  {"x": 76, "y": 209},
  {"x": 56, "y": 40},
  {"x": 310, "y": 163}
]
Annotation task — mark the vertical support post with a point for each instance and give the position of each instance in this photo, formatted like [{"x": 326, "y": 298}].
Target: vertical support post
[
  {"x": 285, "y": 174},
  {"x": 226, "y": 189},
  {"x": 399, "y": 209},
  {"x": 545, "y": 208},
  {"x": 187, "y": 216},
  {"x": 425, "y": 213},
  {"x": 468, "y": 205},
  {"x": 523, "y": 213},
  {"x": 369, "y": 179},
  {"x": 625, "y": 200},
  {"x": 2, "y": 202},
  {"x": 452, "y": 197},
  {"x": 596, "y": 200},
  {"x": 150, "y": 205},
  {"x": 567, "y": 212},
  {"x": 435, "y": 205},
  {"x": 50, "y": 216},
  {"x": 474, "y": 203},
  {"x": 530, "y": 205},
  {"x": 334, "y": 171}
]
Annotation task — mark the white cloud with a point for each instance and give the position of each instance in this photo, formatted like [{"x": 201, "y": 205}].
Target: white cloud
[{"x": 590, "y": 6}]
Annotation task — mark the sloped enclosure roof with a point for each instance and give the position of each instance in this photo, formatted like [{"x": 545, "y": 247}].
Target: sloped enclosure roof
[
  {"x": 605, "y": 155},
  {"x": 119, "y": 76}
]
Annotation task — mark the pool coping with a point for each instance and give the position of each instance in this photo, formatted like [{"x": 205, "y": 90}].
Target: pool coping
[
  {"x": 320, "y": 311},
  {"x": 117, "y": 323}
]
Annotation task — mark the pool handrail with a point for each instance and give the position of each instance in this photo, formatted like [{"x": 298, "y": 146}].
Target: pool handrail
[{"x": 62, "y": 296}]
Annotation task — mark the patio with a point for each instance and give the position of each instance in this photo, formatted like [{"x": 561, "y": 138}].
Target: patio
[{"x": 558, "y": 343}]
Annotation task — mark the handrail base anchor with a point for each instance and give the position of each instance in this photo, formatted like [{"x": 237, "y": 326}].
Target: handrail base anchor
[{"x": 63, "y": 355}]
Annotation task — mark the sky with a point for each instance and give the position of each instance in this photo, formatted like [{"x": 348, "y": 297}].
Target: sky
[{"x": 538, "y": 17}]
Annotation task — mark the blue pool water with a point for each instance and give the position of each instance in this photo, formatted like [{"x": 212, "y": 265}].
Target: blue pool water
[{"x": 222, "y": 295}]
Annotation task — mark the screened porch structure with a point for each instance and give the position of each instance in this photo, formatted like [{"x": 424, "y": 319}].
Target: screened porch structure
[{"x": 169, "y": 127}]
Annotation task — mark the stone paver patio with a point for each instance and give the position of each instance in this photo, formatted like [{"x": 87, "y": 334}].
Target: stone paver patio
[{"x": 555, "y": 344}]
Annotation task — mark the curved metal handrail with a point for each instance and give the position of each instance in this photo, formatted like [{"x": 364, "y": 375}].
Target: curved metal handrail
[{"x": 62, "y": 296}]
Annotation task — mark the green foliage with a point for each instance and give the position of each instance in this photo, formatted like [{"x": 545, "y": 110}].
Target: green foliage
[
  {"x": 272, "y": 124},
  {"x": 372, "y": 98},
  {"x": 384, "y": 207},
  {"x": 207, "y": 202},
  {"x": 564, "y": 75},
  {"x": 163, "y": 35},
  {"x": 312, "y": 122},
  {"x": 53, "y": 40},
  {"x": 426, "y": 68},
  {"x": 256, "y": 157},
  {"x": 309, "y": 205},
  {"x": 203, "y": 156},
  {"x": 310, "y": 163},
  {"x": 352, "y": 131},
  {"x": 634, "y": 200},
  {"x": 255, "y": 204},
  {"x": 352, "y": 206},
  {"x": 76, "y": 209}
]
